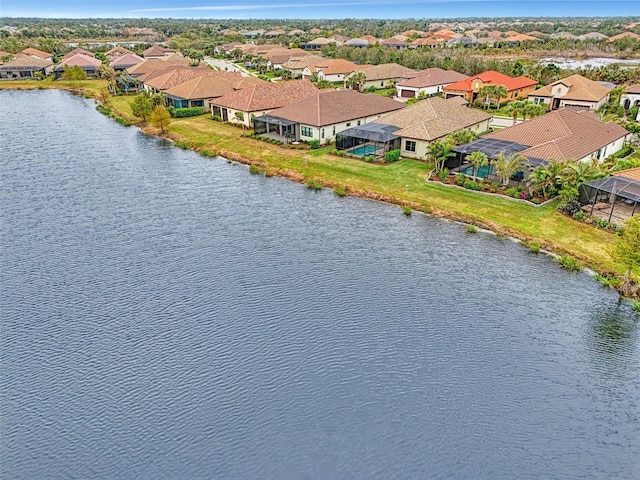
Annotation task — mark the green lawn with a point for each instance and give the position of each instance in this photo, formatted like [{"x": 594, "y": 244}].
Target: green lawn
[{"x": 403, "y": 183}]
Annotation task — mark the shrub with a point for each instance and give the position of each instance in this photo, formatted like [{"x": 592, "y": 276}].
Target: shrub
[
  {"x": 608, "y": 281},
  {"x": 334, "y": 151},
  {"x": 534, "y": 247},
  {"x": 340, "y": 190},
  {"x": 569, "y": 263},
  {"x": 580, "y": 215},
  {"x": 341, "y": 153},
  {"x": 472, "y": 229},
  {"x": 314, "y": 185},
  {"x": 636, "y": 305},
  {"x": 122, "y": 121},
  {"x": 444, "y": 174},
  {"x": 392, "y": 156},
  {"x": 601, "y": 223},
  {"x": 182, "y": 144},
  {"x": 472, "y": 185},
  {"x": 512, "y": 192},
  {"x": 217, "y": 118},
  {"x": 406, "y": 209},
  {"x": 460, "y": 180},
  {"x": 524, "y": 195},
  {"x": 254, "y": 170},
  {"x": 314, "y": 144},
  {"x": 369, "y": 158},
  {"x": 186, "y": 112},
  {"x": 208, "y": 153},
  {"x": 570, "y": 207}
]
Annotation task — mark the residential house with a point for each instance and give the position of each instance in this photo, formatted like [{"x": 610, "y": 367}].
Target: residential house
[
  {"x": 574, "y": 91},
  {"x": 35, "y": 53},
  {"x": 462, "y": 42},
  {"x": 564, "y": 35},
  {"x": 428, "y": 82},
  {"x": 370, "y": 38},
  {"x": 199, "y": 91},
  {"x": 255, "y": 100},
  {"x": 518, "y": 87},
  {"x": 318, "y": 43},
  {"x": 432, "y": 119},
  {"x": 75, "y": 51},
  {"x": 297, "y": 65},
  {"x": 384, "y": 75},
  {"x": 397, "y": 42},
  {"x": 333, "y": 70},
  {"x": 123, "y": 62},
  {"x": 274, "y": 33},
  {"x": 161, "y": 80},
  {"x": 561, "y": 135},
  {"x": 357, "y": 43},
  {"x": 427, "y": 42},
  {"x": 157, "y": 51},
  {"x": 155, "y": 64},
  {"x": 116, "y": 52},
  {"x": 631, "y": 98},
  {"x": 324, "y": 114},
  {"x": 90, "y": 65},
  {"x": 631, "y": 35},
  {"x": 592, "y": 36},
  {"x": 227, "y": 48},
  {"x": 295, "y": 32},
  {"x": 24, "y": 66}
]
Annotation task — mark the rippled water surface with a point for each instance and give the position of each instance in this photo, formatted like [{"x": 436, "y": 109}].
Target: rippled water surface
[{"x": 164, "y": 315}]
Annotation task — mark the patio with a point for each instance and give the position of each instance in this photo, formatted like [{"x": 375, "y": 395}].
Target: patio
[
  {"x": 614, "y": 199},
  {"x": 369, "y": 139}
]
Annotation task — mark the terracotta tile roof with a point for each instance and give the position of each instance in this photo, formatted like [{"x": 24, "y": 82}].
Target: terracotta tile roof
[
  {"x": 327, "y": 107},
  {"x": 433, "y": 118},
  {"x": 212, "y": 85},
  {"x": 300, "y": 64},
  {"x": 320, "y": 41},
  {"x": 156, "y": 51},
  {"x": 117, "y": 51},
  {"x": 295, "y": 31},
  {"x": 624, "y": 35},
  {"x": 562, "y": 134},
  {"x": 392, "y": 41},
  {"x": 27, "y": 61},
  {"x": 370, "y": 38},
  {"x": 433, "y": 76},
  {"x": 520, "y": 37},
  {"x": 81, "y": 60},
  {"x": 175, "y": 76},
  {"x": 580, "y": 88},
  {"x": 337, "y": 66},
  {"x": 33, "y": 52},
  {"x": 446, "y": 34},
  {"x": 267, "y": 96},
  {"x": 388, "y": 70},
  {"x": 631, "y": 173},
  {"x": 633, "y": 88},
  {"x": 154, "y": 64},
  {"x": 126, "y": 60},
  {"x": 494, "y": 78},
  {"x": 78, "y": 50},
  {"x": 421, "y": 42},
  {"x": 5, "y": 54}
]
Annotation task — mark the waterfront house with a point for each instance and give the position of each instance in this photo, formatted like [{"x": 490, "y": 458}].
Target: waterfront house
[
  {"x": 161, "y": 80},
  {"x": 297, "y": 65},
  {"x": 518, "y": 87},
  {"x": 614, "y": 199},
  {"x": 199, "y": 91},
  {"x": 561, "y": 135},
  {"x": 384, "y": 75},
  {"x": 24, "y": 66},
  {"x": 430, "y": 81},
  {"x": 90, "y": 65},
  {"x": 123, "y": 62},
  {"x": 243, "y": 105},
  {"x": 414, "y": 128},
  {"x": 155, "y": 64},
  {"x": 76, "y": 51},
  {"x": 574, "y": 91},
  {"x": 323, "y": 115},
  {"x": 35, "y": 53}
]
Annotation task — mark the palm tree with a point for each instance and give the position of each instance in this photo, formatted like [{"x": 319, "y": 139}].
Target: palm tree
[
  {"x": 506, "y": 166},
  {"x": 356, "y": 80},
  {"x": 440, "y": 151},
  {"x": 463, "y": 136},
  {"x": 546, "y": 180},
  {"x": 516, "y": 108},
  {"x": 534, "y": 109},
  {"x": 488, "y": 92},
  {"x": 477, "y": 159},
  {"x": 500, "y": 92},
  {"x": 108, "y": 73}
]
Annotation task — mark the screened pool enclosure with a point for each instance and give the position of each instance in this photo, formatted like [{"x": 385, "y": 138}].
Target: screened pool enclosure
[
  {"x": 368, "y": 139},
  {"x": 614, "y": 198}
]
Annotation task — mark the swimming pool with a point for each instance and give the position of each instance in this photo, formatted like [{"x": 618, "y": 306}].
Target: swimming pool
[
  {"x": 363, "y": 150},
  {"x": 482, "y": 172}
]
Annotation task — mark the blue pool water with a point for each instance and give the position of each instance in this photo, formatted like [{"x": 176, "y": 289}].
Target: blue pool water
[
  {"x": 363, "y": 150},
  {"x": 483, "y": 171}
]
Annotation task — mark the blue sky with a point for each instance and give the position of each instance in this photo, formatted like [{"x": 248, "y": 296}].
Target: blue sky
[{"x": 313, "y": 8}]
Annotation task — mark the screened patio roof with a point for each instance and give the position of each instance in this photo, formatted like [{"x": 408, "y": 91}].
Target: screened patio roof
[
  {"x": 273, "y": 120},
  {"x": 620, "y": 186},
  {"x": 374, "y": 132},
  {"x": 490, "y": 147}
]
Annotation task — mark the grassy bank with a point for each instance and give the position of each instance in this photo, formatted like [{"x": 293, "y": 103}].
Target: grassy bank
[{"x": 402, "y": 183}]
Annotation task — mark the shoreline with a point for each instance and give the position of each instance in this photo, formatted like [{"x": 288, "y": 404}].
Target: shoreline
[{"x": 275, "y": 161}]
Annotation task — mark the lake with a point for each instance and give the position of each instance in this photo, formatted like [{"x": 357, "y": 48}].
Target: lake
[{"x": 164, "y": 315}]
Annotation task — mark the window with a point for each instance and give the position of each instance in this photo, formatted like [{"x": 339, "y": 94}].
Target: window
[
  {"x": 410, "y": 146},
  {"x": 358, "y": 122},
  {"x": 382, "y": 83},
  {"x": 322, "y": 134},
  {"x": 334, "y": 130},
  {"x": 306, "y": 131},
  {"x": 349, "y": 124}
]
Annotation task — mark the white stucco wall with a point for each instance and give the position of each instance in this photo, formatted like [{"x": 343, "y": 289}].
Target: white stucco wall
[{"x": 422, "y": 146}]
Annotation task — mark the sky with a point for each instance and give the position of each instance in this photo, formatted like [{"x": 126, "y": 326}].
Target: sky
[{"x": 304, "y": 9}]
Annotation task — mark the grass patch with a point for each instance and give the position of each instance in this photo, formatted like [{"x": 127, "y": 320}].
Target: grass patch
[
  {"x": 406, "y": 209},
  {"x": 340, "y": 190},
  {"x": 255, "y": 170},
  {"x": 636, "y": 306},
  {"x": 534, "y": 247},
  {"x": 314, "y": 185},
  {"x": 472, "y": 229},
  {"x": 569, "y": 263},
  {"x": 608, "y": 281}
]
